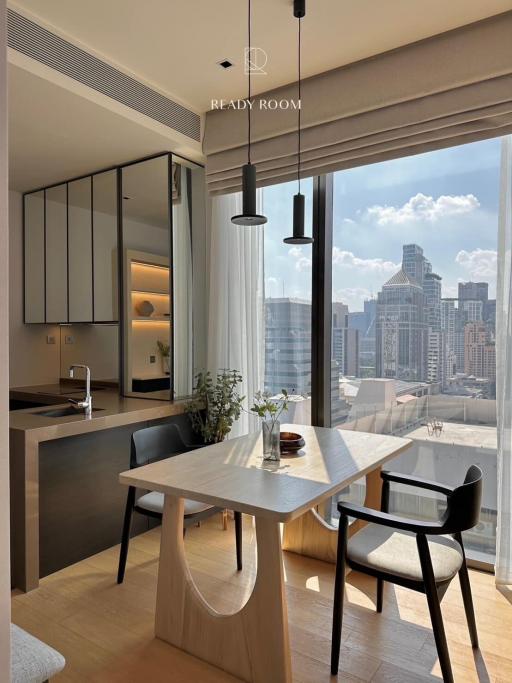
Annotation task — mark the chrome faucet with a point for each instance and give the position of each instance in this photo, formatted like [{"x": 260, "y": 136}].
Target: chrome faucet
[{"x": 86, "y": 403}]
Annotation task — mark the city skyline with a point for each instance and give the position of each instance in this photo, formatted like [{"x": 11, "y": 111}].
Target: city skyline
[{"x": 447, "y": 201}]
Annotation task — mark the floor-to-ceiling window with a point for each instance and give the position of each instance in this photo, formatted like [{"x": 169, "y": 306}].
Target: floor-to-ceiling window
[
  {"x": 288, "y": 302},
  {"x": 413, "y": 317}
]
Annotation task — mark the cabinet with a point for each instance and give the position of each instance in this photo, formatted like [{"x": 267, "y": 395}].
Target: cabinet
[
  {"x": 70, "y": 252},
  {"x": 80, "y": 277},
  {"x": 56, "y": 250},
  {"x": 104, "y": 240},
  {"x": 34, "y": 266}
]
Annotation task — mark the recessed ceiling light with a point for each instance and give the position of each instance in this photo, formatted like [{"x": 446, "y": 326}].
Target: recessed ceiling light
[{"x": 225, "y": 63}]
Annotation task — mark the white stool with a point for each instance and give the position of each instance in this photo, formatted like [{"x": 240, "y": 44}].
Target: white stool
[{"x": 32, "y": 661}]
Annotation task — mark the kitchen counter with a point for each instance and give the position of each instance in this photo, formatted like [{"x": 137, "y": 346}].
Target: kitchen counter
[
  {"x": 66, "y": 503},
  {"x": 110, "y": 410}
]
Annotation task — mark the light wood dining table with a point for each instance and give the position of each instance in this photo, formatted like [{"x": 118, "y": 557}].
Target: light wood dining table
[{"x": 253, "y": 643}]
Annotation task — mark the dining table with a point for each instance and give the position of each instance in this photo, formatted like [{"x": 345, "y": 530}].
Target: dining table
[{"x": 284, "y": 497}]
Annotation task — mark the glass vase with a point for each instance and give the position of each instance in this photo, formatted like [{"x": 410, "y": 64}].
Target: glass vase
[{"x": 271, "y": 443}]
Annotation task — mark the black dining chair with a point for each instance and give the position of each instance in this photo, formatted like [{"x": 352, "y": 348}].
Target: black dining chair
[
  {"x": 421, "y": 555},
  {"x": 150, "y": 445}
]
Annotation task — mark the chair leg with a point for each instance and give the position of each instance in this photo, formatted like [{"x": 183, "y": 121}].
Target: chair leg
[
  {"x": 339, "y": 594},
  {"x": 125, "y": 538},
  {"x": 380, "y": 594},
  {"x": 467, "y": 598},
  {"x": 238, "y": 536},
  {"x": 434, "y": 607}
]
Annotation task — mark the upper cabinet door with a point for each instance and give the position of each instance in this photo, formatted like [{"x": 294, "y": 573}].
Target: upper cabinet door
[
  {"x": 105, "y": 255},
  {"x": 34, "y": 246},
  {"x": 80, "y": 250},
  {"x": 56, "y": 254}
]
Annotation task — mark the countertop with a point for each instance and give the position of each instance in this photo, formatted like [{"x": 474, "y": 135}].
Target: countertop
[{"x": 114, "y": 411}]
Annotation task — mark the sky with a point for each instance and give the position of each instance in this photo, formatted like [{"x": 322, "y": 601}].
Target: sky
[{"x": 445, "y": 201}]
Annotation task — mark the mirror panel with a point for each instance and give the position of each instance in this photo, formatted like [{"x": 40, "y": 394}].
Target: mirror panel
[
  {"x": 105, "y": 255},
  {"x": 80, "y": 250},
  {"x": 56, "y": 253},
  {"x": 147, "y": 301},
  {"x": 34, "y": 244}
]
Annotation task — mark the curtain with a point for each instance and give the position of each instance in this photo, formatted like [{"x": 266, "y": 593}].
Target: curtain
[
  {"x": 236, "y": 324},
  {"x": 504, "y": 370},
  {"x": 182, "y": 283},
  {"x": 450, "y": 89}
]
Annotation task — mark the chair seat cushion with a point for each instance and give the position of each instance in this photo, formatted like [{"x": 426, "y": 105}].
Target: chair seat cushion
[
  {"x": 154, "y": 502},
  {"x": 32, "y": 661},
  {"x": 395, "y": 552}
]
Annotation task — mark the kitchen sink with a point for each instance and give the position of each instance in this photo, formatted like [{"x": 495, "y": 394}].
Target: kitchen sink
[{"x": 64, "y": 412}]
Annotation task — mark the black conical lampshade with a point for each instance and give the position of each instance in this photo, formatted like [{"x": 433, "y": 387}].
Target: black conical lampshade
[
  {"x": 249, "y": 215},
  {"x": 298, "y": 237},
  {"x": 298, "y": 222}
]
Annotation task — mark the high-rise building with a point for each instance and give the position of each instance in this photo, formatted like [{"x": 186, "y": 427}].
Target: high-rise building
[
  {"x": 436, "y": 360},
  {"x": 414, "y": 262},
  {"x": 401, "y": 329},
  {"x": 453, "y": 320},
  {"x": 478, "y": 291},
  {"x": 473, "y": 308},
  {"x": 345, "y": 341},
  {"x": 288, "y": 346},
  {"x": 364, "y": 322},
  {"x": 432, "y": 291},
  {"x": 479, "y": 351},
  {"x": 340, "y": 314}
]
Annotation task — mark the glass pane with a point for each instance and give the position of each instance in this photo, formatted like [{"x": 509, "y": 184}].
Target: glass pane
[
  {"x": 147, "y": 278},
  {"x": 288, "y": 302},
  {"x": 413, "y": 328}
]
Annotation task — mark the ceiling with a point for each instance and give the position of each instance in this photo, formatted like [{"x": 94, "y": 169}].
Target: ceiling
[
  {"x": 55, "y": 134},
  {"x": 175, "y": 45}
]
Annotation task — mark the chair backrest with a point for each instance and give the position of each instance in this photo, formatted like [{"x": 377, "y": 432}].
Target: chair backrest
[
  {"x": 156, "y": 443},
  {"x": 463, "y": 509}
]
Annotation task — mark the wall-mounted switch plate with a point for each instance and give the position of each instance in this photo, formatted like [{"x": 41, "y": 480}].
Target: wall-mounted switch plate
[
  {"x": 69, "y": 339},
  {"x": 50, "y": 339},
  {"x": 152, "y": 359}
]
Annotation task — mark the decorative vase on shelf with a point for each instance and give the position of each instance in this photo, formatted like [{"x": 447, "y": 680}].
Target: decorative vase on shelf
[
  {"x": 271, "y": 441},
  {"x": 166, "y": 364},
  {"x": 145, "y": 309}
]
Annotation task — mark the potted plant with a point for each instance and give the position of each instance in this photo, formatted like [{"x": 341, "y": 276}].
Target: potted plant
[
  {"x": 270, "y": 410},
  {"x": 165, "y": 351},
  {"x": 215, "y": 404}
]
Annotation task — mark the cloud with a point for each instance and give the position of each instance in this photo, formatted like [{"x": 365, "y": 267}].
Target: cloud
[
  {"x": 303, "y": 262},
  {"x": 374, "y": 265},
  {"x": 479, "y": 263},
  {"x": 423, "y": 208},
  {"x": 295, "y": 251}
]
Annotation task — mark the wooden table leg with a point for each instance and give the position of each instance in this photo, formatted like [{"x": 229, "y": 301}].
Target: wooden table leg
[
  {"x": 312, "y": 536},
  {"x": 251, "y": 644}
]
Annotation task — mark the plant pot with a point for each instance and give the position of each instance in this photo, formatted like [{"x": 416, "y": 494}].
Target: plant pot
[
  {"x": 271, "y": 443},
  {"x": 166, "y": 364}
]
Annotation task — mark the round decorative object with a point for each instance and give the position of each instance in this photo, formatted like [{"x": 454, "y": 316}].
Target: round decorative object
[
  {"x": 290, "y": 441},
  {"x": 145, "y": 308}
]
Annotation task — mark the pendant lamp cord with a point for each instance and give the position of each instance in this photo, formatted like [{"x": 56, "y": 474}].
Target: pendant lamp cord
[
  {"x": 248, "y": 65},
  {"x": 299, "y": 111}
]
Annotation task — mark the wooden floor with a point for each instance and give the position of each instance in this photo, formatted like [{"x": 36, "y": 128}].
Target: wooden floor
[{"x": 105, "y": 631}]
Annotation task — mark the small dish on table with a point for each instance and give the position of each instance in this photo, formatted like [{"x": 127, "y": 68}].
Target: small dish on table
[{"x": 291, "y": 442}]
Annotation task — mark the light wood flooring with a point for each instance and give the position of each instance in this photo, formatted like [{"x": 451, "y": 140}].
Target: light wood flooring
[{"x": 105, "y": 631}]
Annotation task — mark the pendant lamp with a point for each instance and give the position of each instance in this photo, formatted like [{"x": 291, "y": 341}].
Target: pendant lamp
[
  {"x": 298, "y": 237},
  {"x": 249, "y": 215}
]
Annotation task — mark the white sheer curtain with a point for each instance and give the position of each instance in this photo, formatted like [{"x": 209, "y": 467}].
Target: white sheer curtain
[
  {"x": 182, "y": 282},
  {"x": 504, "y": 370},
  {"x": 236, "y": 322}
]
